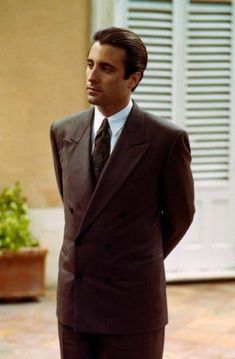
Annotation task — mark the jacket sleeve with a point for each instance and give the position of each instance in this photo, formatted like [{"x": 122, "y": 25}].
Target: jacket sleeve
[
  {"x": 177, "y": 193},
  {"x": 56, "y": 159}
]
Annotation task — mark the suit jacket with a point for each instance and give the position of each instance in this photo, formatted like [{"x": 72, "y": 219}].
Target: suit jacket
[{"x": 116, "y": 236}]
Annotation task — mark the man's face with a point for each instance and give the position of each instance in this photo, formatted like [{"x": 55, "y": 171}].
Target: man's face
[{"x": 106, "y": 86}]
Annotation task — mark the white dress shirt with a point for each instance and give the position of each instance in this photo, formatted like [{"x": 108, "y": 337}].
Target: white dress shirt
[{"x": 116, "y": 123}]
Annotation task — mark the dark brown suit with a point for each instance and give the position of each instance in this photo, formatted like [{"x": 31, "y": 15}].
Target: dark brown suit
[{"x": 111, "y": 271}]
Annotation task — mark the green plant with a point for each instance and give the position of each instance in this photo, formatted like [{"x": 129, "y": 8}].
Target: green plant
[{"x": 14, "y": 220}]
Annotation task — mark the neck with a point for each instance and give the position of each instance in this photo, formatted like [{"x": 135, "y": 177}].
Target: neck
[{"x": 108, "y": 111}]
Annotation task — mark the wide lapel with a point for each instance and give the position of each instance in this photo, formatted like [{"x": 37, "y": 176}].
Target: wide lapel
[
  {"x": 128, "y": 151},
  {"x": 78, "y": 150}
]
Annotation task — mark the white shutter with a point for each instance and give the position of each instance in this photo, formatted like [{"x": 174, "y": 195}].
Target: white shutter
[
  {"x": 208, "y": 77},
  {"x": 152, "y": 21},
  {"x": 190, "y": 80},
  {"x": 207, "y": 107}
]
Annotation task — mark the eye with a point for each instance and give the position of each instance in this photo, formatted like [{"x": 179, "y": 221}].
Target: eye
[
  {"x": 108, "y": 69},
  {"x": 90, "y": 64}
]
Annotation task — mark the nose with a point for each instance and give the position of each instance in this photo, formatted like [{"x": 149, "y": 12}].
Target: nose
[{"x": 92, "y": 74}]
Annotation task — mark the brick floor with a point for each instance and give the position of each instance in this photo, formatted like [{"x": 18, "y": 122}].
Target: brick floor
[
  {"x": 201, "y": 321},
  {"x": 28, "y": 329},
  {"x": 201, "y": 324}
]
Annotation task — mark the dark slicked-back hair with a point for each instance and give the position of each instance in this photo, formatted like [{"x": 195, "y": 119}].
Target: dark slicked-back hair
[{"x": 136, "y": 54}]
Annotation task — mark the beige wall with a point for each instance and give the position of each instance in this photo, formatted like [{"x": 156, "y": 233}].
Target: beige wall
[{"x": 42, "y": 64}]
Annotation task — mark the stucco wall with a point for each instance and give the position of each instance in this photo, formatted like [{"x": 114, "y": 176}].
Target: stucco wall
[{"x": 42, "y": 66}]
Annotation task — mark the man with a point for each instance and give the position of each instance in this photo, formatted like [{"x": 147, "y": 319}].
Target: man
[{"x": 125, "y": 180}]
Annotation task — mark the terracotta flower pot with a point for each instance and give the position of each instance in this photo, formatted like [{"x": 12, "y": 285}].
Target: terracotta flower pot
[{"x": 22, "y": 273}]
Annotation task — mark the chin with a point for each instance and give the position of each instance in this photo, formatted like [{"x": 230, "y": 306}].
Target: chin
[{"x": 91, "y": 100}]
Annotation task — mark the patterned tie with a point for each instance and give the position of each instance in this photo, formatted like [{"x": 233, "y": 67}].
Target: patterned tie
[{"x": 101, "y": 149}]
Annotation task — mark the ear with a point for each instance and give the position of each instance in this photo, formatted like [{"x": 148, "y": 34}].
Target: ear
[{"x": 134, "y": 79}]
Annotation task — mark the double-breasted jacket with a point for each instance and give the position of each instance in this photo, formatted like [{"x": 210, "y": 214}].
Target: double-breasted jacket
[{"x": 117, "y": 234}]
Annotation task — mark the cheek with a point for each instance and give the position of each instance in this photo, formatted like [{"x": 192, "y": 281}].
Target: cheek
[
  {"x": 120, "y": 86},
  {"x": 87, "y": 74}
]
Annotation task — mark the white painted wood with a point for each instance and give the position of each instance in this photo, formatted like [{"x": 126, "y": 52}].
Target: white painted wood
[
  {"x": 179, "y": 61},
  {"x": 208, "y": 248},
  {"x": 102, "y": 14},
  {"x": 191, "y": 80},
  {"x": 153, "y": 22},
  {"x": 232, "y": 109}
]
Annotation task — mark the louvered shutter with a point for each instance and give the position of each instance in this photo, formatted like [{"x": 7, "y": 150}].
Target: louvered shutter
[
  {"x": 208, "y": 77},
  {"x": 152, "y": 20},
  {"x": 189, "y": 81}
]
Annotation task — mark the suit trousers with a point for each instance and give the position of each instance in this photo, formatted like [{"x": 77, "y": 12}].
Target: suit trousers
[{"x": 75, "y": 345}]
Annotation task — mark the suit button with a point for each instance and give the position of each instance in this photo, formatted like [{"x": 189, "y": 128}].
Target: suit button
[
  {"x": 108, "y": 281},
  {"x": 78, "y": 277},
  {"x": 108, "y": 247},
  {"x": 71, "y": 210}
]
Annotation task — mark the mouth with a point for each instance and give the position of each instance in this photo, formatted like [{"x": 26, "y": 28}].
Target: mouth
[{"x": 92, "y": 90}]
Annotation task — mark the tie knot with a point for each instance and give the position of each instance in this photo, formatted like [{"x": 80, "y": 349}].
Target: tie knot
[
  {"x": 105, "y": 124},
  {"x": 103, "y": 129}
]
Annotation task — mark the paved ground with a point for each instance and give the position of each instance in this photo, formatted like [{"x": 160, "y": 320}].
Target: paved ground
[
  {"x": 28, "y": 329},
  {"x": 202, "y": 321},
  {"x": 202, "y": 324}
]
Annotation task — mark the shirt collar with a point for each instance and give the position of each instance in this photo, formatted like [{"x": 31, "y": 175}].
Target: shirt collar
[{"x": 116, "y": 121}]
